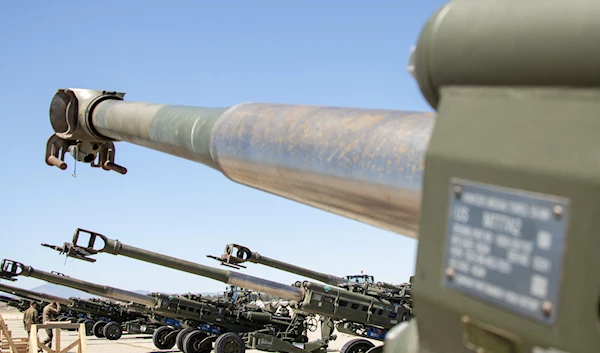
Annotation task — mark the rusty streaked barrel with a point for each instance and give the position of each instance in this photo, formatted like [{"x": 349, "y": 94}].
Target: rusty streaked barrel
[{"x": 364, "y": 164}]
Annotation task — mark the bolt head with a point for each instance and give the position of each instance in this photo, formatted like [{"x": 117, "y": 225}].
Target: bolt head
[
  {"x": 547, "y": 308},
  {"x": 457, "y": 191},
  {"x": 558, "y": 211},
  {"x": 450, "y": 273}
]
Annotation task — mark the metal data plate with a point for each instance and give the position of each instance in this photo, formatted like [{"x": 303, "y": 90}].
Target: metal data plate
[{"x": 505, "y": 246}]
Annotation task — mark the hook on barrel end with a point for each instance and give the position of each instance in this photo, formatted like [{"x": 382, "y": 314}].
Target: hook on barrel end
[
  {"x": 106, "y": 159},
  {"x": 96, "y": 154},
  {"x": 70, "y": 250},
  {"x": 233, "y": 256},
  {"x": 55, "y": 151}
]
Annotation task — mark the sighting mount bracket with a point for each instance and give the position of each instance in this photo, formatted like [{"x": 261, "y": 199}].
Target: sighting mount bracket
[
  {"x": 6, "y": 277},
  {"x": 70, "y": 250},
  {"x": 242, "y": 254},
  {"x": 84, "y": 251}
]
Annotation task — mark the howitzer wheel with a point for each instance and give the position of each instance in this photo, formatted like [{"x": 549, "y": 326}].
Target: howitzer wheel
[
  {"x": 61, "y": 318},
  {"x": 230, "y": 343},
  {"x": 89, "y": 327},
  {"x": 358, "y": 345},
  {"x": 98, "y": 329},
  {"x": 196, "y": 342},
  {"x": 376, "y": 349},
  {"x": 180, "y": 336},
  {"x": 112, "y": 331},
  {"x": 161, "y": 338},
  {"x": 73, "y": 320},
  {"x": 81, "y": 320},
  {"x": 311, "y": 324}
]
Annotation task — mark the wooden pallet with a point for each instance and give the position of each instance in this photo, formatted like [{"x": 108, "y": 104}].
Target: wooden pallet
[
  {"x": 80, "y": 342},
  {"x": 9, "y": 344}
]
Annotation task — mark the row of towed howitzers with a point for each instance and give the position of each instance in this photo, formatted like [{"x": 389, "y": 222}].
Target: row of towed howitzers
[
  {"x": 101, "y": 317},
  {"x": 239, "y": 320}
]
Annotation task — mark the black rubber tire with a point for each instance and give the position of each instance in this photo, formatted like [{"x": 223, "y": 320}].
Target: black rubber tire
[
  {"x": 112, "y": 331},
  {"x": 73, "y": 320},
  {"x": 61, "y": 318},
  {"x": 180, "y": 336},
  {"x": 80, "y": 321},
  {"x": 98, "y": 329},
  {"x": 230, "y": 343},
  {"x": 89, "y": 327},
  {"x": 376, "y": 349},
  {"x": 159, "y": 335},
  {"x": 357, "y": 345},
  {"x": 192, "y": 342}
]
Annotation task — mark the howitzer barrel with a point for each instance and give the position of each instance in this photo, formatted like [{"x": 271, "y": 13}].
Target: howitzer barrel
[
  {"x": 6, "y": 299},
  {"x": 92, "y": 288},
  {"x": 310, "y": 296},
  {"x": 9, "y": 300},
  {"x": 115, "y": 247},
  {"x": 236, "y": 254},
  {"x": 225, "y": 276},
  {"x": 20, "y": 301},
  {"x": 364, "y": 164},
  {"x": 35, "y": 295},
  {"x": 319, "y": 276}
]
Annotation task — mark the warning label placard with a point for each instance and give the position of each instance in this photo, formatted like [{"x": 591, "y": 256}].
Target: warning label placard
[{"x": 505, "y": 246}]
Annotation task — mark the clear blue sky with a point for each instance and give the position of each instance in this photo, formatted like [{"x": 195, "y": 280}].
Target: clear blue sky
[{"x": 205, "y": 53}]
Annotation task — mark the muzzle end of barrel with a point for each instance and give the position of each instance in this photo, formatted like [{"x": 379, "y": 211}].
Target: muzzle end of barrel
[{"x": 71, "y": 119}]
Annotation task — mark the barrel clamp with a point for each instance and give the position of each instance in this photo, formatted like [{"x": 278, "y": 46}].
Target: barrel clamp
[
  {"x": 71, "y": 112},
  {"x": 80, "y": 251},
  {"x": 102, "y": 155},
  {"x": 59, "y": 274},
  {"x": 242, "y": 254},
  {"x": 10, "y": 269}
]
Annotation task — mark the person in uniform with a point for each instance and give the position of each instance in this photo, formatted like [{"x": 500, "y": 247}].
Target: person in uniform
[
  {"x": 30, "y": 316},
  {"x": 48, "y": 313}
]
